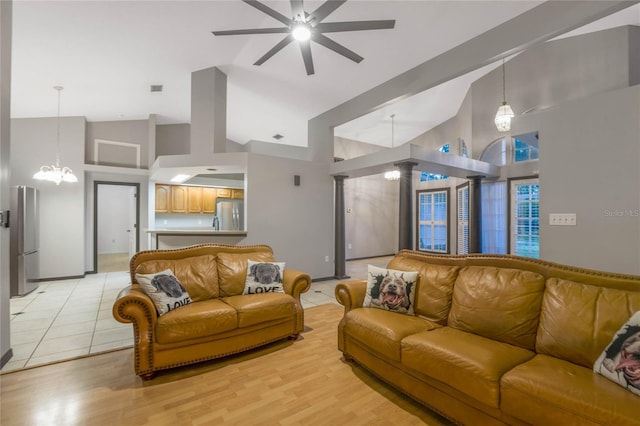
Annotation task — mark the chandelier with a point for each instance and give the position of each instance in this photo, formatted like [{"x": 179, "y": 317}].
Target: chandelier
[
  {"x": 55, "y": 173},
  {"x": 505, "y": 113},
  {"x": 393, "y": 174}
]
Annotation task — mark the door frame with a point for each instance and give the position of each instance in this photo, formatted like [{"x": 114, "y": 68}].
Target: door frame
[{"x": 95, "y": 216}]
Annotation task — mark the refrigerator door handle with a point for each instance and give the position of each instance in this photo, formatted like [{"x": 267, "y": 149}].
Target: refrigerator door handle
[{"x": 4, "y": 218}]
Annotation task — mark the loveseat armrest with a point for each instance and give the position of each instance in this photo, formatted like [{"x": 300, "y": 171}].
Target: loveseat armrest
[
  {"x": 351, "y": 294},
  {"x": 133, "y": 306},
  {"x": 295, "y": 282}
]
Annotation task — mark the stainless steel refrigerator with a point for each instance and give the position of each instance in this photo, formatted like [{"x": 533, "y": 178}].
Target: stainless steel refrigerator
[
  {"x": 25, "y": 240},
  {"x": 231, "y": 214}
]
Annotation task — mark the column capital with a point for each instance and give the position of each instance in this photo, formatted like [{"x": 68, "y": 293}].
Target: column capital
[
  {"x": 476, "y": 178},
  {"x": 340, "y": 178},
  {"x": 406, "y": 165}
]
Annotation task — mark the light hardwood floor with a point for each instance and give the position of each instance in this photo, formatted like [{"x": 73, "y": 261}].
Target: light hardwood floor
[{"x": 286, "y": 383}]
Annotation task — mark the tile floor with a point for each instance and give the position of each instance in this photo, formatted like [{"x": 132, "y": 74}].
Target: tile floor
[{"x": 66, "y": 319}]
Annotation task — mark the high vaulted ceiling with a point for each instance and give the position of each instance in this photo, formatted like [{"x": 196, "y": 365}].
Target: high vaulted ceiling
[{"x": 106, "y": 54}]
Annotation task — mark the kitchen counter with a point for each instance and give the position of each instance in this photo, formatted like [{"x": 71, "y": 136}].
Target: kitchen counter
[{"x": 155, "y": 234}]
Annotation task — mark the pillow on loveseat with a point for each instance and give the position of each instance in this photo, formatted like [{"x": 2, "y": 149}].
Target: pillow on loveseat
[
  {"x": 164, "y": 289},
  {"x": 390, "y": 290},
  {"x": 620, "y": 361},
  {"x": 264, "y": 277}
]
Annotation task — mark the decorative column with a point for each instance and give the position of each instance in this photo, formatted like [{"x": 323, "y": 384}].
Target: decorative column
[
  {"x": 475, "y": 214},
  {"x": 340, "y": 248},
  {"x": 405, "y": 239}
]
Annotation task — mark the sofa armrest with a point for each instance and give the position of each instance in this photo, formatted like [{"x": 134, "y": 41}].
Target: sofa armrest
[
  {"x": 295, "y": 282},
  {"x": 351, "y": 294},
  {"x": 133, "y": 306}
]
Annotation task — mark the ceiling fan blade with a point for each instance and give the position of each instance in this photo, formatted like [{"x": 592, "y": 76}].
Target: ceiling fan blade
[
  {"x": 338, "y": 48},
  {"x": 305, "y": 47},
  {"x": 252, "y": 31},
  {"x": 275, "y": 49},
  {"x": 325, "y": 10},
  {"x": 297, "y": 9},
  {"x": 266, "y": 9},
  {"x": 334, "y": 27}
]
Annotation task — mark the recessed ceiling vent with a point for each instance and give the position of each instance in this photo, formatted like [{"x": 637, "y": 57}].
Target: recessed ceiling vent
[
  {"x": 156, "y": 88},
  {"x": 277, "y": 136}
]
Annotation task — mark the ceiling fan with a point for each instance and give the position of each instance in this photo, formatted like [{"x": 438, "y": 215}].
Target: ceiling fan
[{"x": 307, "y": 27}]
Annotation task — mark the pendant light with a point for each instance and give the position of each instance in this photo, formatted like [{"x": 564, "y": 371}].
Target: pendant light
[
  {"x": 505, "y": 113},
  {"x": 393, "y": 174},
  {"x": 56, "y": 173}
]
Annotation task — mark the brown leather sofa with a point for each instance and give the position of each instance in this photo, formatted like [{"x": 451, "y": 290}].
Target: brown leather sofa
[
  {"x": 220, "y": 320},
  {"x": 498, "y": 339}
]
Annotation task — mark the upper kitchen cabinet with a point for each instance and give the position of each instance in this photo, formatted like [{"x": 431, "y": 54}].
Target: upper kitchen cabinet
[
  {"x": 194, "y": 199},
  {"x": 209, "y": 197},
  {"x": 237, "y": 194},
  {"x": 224, "y": 192},
  {"x": 163, "y": 198},
  {"x": 179, "y": 199}
]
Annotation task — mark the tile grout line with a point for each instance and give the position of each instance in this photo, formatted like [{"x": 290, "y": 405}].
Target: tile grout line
[{"x": 95, "y": 325}]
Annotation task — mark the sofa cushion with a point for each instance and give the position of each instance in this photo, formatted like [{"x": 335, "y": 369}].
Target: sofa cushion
[
  {"x": 578, "y": 321},
  {"x": 498, "y": 303},
  {"x": 196, "y": 320},
  {"x": 261, "y": 308},
  {"x": 435, "y": 287},
  {"x": 620, "y": 361},
  {"x": 382, "y": 331},
  {"x": 547, "y": 390},
  {"x": 467, "y": 362},
  {"x": 264, "y": 277},
  {"x": 390, "y": 290},
  {"x": 198, "y": 274},
  {"x": 165, "y": 290},
  {"x": 232, "y": 269}
]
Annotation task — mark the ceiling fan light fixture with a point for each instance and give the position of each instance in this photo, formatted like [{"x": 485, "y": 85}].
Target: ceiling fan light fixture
[{"x": 301, "y": 32}]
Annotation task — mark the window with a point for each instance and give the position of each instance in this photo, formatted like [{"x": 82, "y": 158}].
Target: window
[
  {"x": 463, "y": 219},
  {"x": 525, "y": 218},
  {"x": 494, "y": 217},
  {"x": 433, "y": 214},
  {"x": 523, "y": 151}
]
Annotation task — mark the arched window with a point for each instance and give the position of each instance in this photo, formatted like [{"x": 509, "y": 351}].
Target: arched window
[{"x": 511, "y": 150}]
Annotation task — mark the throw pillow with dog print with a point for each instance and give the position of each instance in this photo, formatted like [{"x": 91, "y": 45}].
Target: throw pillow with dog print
[
  {"x": 165, "y": 290},
  {"x": 390, "y": 290},
  {"x": 264, "y": 277},
  {"x": 620, "y": 361}
]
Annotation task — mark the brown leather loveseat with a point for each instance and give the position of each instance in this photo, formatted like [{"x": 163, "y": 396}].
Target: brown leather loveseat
[
  {"x": 498, "y": 339},
  {"x": 220, "y": 320}
]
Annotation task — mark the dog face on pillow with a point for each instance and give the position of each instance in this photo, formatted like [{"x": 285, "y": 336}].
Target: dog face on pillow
[
  {"x": 393, "y": 294},
  {"x": 265, "y": 273},
  {"x": 625, "y": 358},
  {"x": 169, "y": 285}
]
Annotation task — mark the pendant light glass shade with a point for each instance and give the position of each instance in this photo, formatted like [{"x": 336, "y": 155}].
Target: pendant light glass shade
[
  {"x": 503, "y": 117},
  {"x": 505, "y": 112},
  {"x": 55, "y": 173}
]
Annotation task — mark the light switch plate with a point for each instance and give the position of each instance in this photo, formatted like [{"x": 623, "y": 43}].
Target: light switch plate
[{"x": 562, "y": 219}]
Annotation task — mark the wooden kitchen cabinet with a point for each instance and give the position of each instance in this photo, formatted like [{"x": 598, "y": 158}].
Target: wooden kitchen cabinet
[
  {"x": 224, "y": 192},
  {"x": 179, "y": 199},
  {"x": 237, "y": 194},
  {"x": 163, "y": 198},
  {"x": 209, "y": 197},
  {"x": 194, "y": 199}
]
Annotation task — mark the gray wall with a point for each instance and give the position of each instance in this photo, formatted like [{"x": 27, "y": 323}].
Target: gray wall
[
  {"x": 172, "y": 139},
  {"x": 5, "y": 146},
  {"x": 589, "y": 156},
  {"x": 33, "y": 144},
  {"x": 129, "y": 131},
  {"x": 296, "y": 221}
]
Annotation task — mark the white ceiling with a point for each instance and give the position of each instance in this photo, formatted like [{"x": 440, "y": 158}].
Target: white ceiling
[{"x": 106, "y": 54}]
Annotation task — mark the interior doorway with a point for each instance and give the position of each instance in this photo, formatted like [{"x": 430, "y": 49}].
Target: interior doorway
[{"x": 116, "y": 217}]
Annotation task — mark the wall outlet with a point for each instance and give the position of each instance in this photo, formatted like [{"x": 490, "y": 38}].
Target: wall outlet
[
  {"x": 326, "y": 258},
  {"x": 562, "y": 219}
]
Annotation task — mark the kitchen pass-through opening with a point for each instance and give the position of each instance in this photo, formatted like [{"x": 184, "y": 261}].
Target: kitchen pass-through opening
[{"x": 116, "y": 218}]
